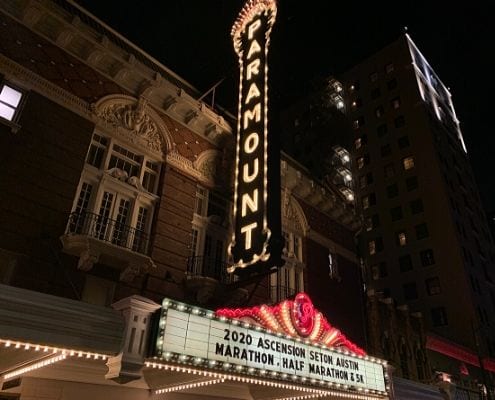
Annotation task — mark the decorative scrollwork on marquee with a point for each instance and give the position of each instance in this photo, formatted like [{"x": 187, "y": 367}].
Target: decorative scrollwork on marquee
[{"x": 294, "y": 318}]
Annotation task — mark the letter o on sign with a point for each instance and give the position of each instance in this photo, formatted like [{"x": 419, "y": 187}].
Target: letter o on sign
[{"x": 251, "y": 142}]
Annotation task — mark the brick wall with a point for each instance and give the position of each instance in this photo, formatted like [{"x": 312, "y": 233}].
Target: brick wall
[{"x": 40, "y": 167}]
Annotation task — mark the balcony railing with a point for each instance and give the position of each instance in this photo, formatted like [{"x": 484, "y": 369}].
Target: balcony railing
[
  {"x": 109, "y": 230},
  {"x": 209, "y": 267},
  {"x": 279, "y": 293}
]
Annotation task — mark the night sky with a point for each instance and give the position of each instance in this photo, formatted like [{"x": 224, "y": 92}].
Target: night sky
[{"x": 314, "y": 39}]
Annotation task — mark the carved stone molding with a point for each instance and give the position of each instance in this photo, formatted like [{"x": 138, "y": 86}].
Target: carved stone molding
[
  {"x": 135, "y": 120},
  {"x": 293, "y": 216},
  {"x": 15, "y": 72},
  {"x": 208, "y": 164},
  {"x": 191, "y": 168}
]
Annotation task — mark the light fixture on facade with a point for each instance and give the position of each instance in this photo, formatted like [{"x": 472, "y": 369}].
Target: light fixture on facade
[
  {"x": 37, "y": 365},
  {"x": 187, "y": 386}
]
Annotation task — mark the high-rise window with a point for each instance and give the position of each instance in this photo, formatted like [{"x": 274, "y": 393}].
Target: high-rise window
[
  {"x": 412, "y": 183},
  {"x": 405, "y": 263},
  {"x": 379, "y": 111},
  {"x": 401, "y": 238},
  {"x": 392, "y": 191},
  {"x": 403, "y": 142},
  {"x": 375, "y": 93},
  {"x": 10, "y": 99},
  {"x": 381, "y": 130},
  {"x": 433, "y": 286},
  {"x": 396, "y": 213},
  {"x": 395, "y": 103},
  {"x": 379, "y": 271},
  {"x": 416, "y": 206},
  {"x": 389, "y": 170},
  {"x": 427, "y": 257},
  {"x": 385, "y": 150},
  {"x": 399, "y": 121},
  {"x": 421, "y": 231},
  {"x": 375, "y": 246},
  {"x": 392, "y": 84},
  {"x": 410, "y": 291},
  {"x": 369, "y": 200},
  {"x": 372, "y": 222},
  {"x": 408, "y": 163},
  {"x": 358, "y": 123},
  {"x": 439, "y": 316}
]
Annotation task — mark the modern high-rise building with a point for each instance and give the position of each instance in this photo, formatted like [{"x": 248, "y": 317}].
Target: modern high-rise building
[{"x": 425, "y": 240}]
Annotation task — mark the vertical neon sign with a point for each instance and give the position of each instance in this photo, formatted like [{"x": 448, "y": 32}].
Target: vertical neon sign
[{"x": 253, "y": 228}]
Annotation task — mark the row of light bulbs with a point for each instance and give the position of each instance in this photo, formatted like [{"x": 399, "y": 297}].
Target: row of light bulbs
[
  {"x": 37, "y": 365},
  {"x": 50, "y": 349},
  {"x": 184, "y": 359},
  {"x": 223, "y": 377},
  {"x": 58, "y": 354},
  {"x": 189, "y": 386},
  {"x": 272, "y": 321}
]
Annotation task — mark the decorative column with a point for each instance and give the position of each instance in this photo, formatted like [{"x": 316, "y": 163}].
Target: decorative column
[{"x": 127, "y": 365}]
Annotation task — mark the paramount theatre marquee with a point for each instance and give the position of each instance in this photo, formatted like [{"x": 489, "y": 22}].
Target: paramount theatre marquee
[{"x": 290, "y": 345}]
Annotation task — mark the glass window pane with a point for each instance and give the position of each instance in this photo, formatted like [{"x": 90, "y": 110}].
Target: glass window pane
[
  {"x": 6, "y": 112},
  {"x": 10, "y": 96}
]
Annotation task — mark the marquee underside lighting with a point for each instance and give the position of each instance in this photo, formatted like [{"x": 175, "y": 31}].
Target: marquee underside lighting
[
  {"x": 47, "y": 355},
  {"x": 218, "y": 378},
  {"x": 218, "y": 345},
  {"x": 35, "y": 365}
]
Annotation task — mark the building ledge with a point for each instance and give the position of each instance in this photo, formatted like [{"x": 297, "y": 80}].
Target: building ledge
[{"x": 91, "y": 250}]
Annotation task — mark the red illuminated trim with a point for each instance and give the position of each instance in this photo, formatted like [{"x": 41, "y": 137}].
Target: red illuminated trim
[
  {"x": 453, "y": 350},
  {"x": 296, "y": 318}
]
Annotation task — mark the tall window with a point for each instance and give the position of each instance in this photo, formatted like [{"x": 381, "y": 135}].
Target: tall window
[
  {"x": 117, "y": 195},
  {"x": 208, "y": 248},
  {"x": 10, "y": 99},
  {"x": 289, "y": 279}
]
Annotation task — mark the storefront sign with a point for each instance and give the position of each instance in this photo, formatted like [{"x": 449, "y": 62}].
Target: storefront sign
[
  {"x": 252, "y": 231},
  {"x": 199, "y": 337}
]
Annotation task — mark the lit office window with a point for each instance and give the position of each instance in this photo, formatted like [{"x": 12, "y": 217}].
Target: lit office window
[
  {"x": 408, "y": 163},
  {"x": 9, "y": 101}
]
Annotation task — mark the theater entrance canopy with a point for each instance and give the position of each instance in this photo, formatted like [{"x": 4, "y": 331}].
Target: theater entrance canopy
[{"x": 289, "y": 350}]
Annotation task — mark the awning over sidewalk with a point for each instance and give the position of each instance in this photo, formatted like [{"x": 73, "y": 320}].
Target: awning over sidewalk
[
  {"x": 405, "y": 389},
  {"x": 37, "y": 330}
]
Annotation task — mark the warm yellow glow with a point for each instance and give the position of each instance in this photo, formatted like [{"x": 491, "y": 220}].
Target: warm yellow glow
[
  {"x": 253, "y": 68},
  {"x": 253, "y": 93},
  {"x": 246, "y": 176},
  {"x": 247, "y": 230},
  {"x": 191, "y": 385},
  {"x": 249, "y": 202},
  {"x": 253, "y": 28},
  {"x": 249, "y": 115},
  {"x": 37, "y": 365},
  {"x": 253, "y": 49},
  {"x": 251, "y": 142},
  {"x": 312, "y": 392}
]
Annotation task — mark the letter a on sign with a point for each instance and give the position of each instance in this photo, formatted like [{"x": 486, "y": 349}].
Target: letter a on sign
[{"x": 256, "y": 217}]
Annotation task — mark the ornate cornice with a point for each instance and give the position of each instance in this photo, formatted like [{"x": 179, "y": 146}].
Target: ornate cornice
[
  {"x": 32, "y": 81},
  {"x": 116, "y": 64},
  {"x": 135, "y": 120}
]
